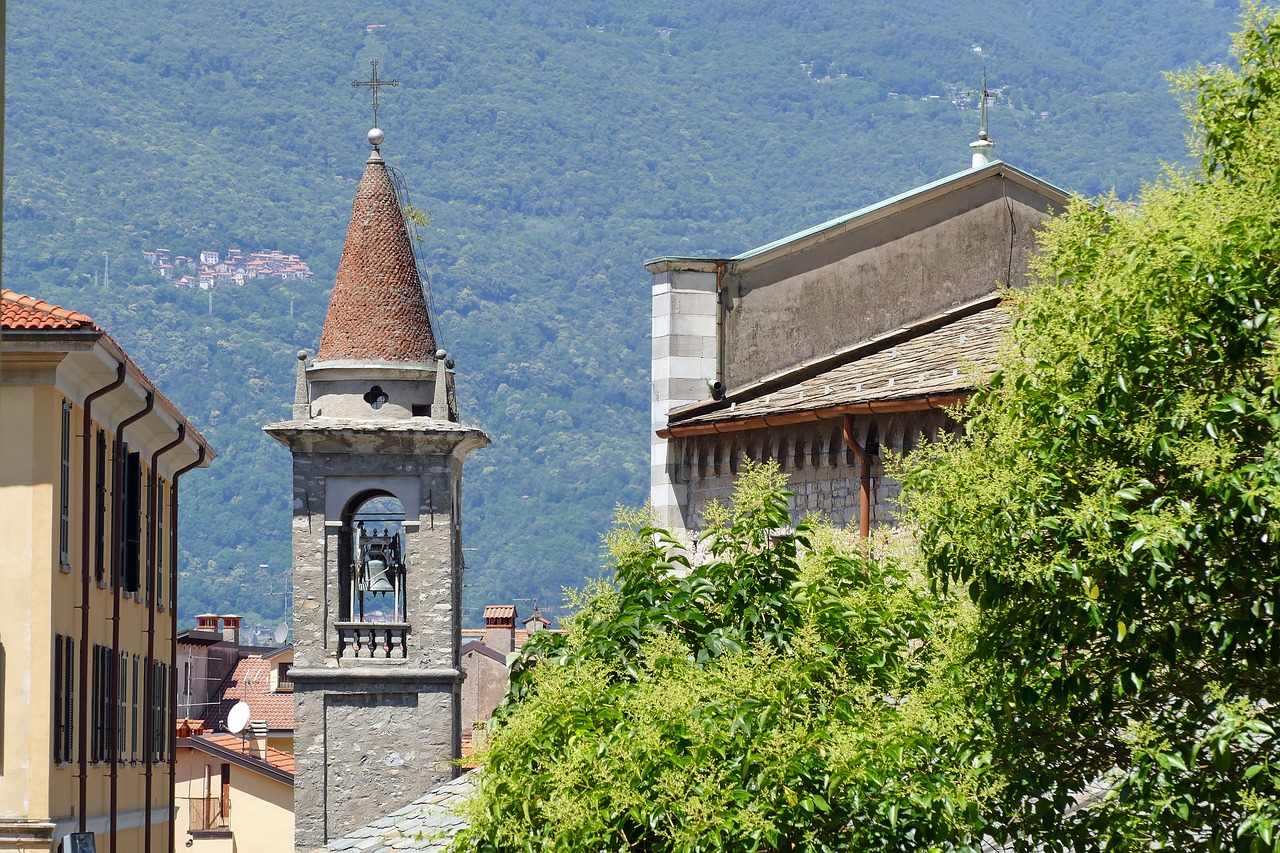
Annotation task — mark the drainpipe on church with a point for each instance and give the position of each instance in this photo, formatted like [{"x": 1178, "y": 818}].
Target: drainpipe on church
[
  {"x": 864, "y": 479},
  {"x": 720, "y": 309}
]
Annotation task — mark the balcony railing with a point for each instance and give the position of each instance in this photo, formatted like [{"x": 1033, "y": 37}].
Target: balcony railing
[{"x": 373, "y": 640}]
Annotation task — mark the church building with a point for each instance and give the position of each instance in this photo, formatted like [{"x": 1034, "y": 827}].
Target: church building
[
  {"x": 377, "y": 453},
  {"x": 826, "y": 349}
]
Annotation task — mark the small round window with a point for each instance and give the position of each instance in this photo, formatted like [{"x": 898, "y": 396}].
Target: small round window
[{"x": 376, "y": 397}]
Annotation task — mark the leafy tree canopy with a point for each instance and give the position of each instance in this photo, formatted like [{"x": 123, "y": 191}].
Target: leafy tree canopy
[
  {"x": 1112, "y": 511},
  {"x": 787, "y": 694},
  {"x": 1079, "y": 649}
]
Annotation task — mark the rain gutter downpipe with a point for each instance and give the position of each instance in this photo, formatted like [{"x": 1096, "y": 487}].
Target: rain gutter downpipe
[
  {"x": 86, "y": 447},
  {"x": 720, "y": 311},
  {"x": 117, "y": 582},
  {"x": 864, "y": 477},
  {"x": 171, "y": 716},
  {"x": 149, "y": 722}
]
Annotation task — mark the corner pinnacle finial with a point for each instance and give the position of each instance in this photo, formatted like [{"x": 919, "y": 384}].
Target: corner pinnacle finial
[
  {"x": 301, "y": 404},
  {"x": 374, "y": 83}
]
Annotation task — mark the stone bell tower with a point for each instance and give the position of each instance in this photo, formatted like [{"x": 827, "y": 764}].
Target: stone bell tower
[{"x": 377, "y": 477}]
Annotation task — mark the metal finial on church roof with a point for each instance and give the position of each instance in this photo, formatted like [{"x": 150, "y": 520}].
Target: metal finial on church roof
[
  {"x": 982, "y": 122},
  {"x": 982, "y": 150},
  {"x": 374, "y": 83}
]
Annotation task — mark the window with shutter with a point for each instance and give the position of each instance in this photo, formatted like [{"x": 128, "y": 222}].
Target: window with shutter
[
  {"x": 100, "y": 508},
  {"x": 64, "y": 498},
  {"x": 132, "y": 522},
  {"x": 58, "y": 722}
]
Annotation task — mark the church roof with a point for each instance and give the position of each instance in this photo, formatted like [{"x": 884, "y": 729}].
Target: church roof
[
  {"x": 872, "y": 213},
  {"x": 931, "y": 364},
  {"x": 377, "y": 312}
]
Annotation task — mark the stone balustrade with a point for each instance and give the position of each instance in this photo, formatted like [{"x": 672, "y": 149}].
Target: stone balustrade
[{"x": 372, "y": 640}]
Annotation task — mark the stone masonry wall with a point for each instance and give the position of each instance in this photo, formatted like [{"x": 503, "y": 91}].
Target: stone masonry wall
[
  {"x": 823, "y": 472},
  {"x": 364, "y": 750}
]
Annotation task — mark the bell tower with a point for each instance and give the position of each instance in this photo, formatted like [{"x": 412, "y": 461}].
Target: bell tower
[{"x": 377, "y": 475}]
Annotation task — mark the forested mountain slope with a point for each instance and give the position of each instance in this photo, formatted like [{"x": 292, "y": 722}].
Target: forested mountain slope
[{"x": 556, "y": 145}]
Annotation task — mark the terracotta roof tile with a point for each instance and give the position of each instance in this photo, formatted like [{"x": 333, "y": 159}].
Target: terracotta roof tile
[
  {"x": 377, "y": 311},
  {"x": 19, "y": 311},
  {"x": 277, "y": 758},
  {"x": 251, "y": 682}
]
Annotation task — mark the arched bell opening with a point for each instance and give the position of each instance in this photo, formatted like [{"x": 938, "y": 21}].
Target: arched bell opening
[{"x": 371, "y": 560}]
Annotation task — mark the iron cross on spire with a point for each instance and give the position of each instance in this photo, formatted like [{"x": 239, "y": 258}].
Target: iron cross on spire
[
  {"x": 375, "y": 83},
  {"x": 986, "y": 95}
]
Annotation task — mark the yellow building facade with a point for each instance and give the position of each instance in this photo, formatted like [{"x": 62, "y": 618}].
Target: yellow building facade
[
  {"x": 91, "y": 455},
  {"x": 234, "y": 795}
]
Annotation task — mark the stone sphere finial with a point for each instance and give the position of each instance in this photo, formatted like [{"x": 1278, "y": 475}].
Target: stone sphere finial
[
  {"x": 440, "y": 354},
  {"x": 302, "y": 355},
  {"x": 376, "y": 136}
]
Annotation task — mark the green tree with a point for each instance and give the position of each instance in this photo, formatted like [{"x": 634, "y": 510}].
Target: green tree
[
  {"x": 787, "y": 694},
  {"x": 1085, "y": 658},
  {"x": 1112, "y": 510}
]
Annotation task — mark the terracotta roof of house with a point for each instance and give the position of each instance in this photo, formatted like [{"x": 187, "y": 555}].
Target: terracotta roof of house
[
  {"x": 377, "y": 311},
  {"x": 941, "y": 359},
  {"x": 19, "y": 311},
  {"x": 250, "y": 681},
  {"x": 277, "y": 758}
]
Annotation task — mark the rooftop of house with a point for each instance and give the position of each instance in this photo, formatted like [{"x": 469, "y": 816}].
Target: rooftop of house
[
  {"x": 251, "y": 682},
  {"x": 34, "y": 324},
  {"x": 19, "y": 311},
  {"x": 269, "y": 761}
]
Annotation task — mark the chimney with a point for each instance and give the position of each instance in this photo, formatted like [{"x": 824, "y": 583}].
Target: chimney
[
  {"x": 231, "y": 628},
  {"x": 500, "y": 627},
  {"x": 258, "y": 739},
  {"x": 207, "y": 622}
]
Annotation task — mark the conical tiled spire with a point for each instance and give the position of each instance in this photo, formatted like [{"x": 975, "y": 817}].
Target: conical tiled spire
[{"x": 377, "y": 312}]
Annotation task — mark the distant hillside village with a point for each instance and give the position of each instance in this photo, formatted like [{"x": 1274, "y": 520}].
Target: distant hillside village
[{"x": 211, "y": 269}]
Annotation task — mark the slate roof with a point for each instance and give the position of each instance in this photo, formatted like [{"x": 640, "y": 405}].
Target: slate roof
[
  {"x": 938, "y": 359},
  {"x": 21, "y": 312},
  {"x": 427, "y": 824},
  {"x": 377, "y": 312},
  {"x": 251, "y": 681}
]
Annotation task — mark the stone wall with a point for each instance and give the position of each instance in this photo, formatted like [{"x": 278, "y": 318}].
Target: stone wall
[
  {"x": 367, "y": 746},
  {"x": 884, "y": 274},
  {"x": 823, "y": 472},
  {"x": 372, "y": 734}
]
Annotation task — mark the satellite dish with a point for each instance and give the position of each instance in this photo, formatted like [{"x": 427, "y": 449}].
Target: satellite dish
[
  {"x": 238, "y": 718},
  {"x": 282, "y": 633}
]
